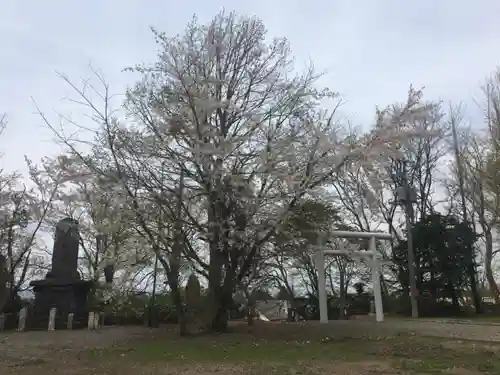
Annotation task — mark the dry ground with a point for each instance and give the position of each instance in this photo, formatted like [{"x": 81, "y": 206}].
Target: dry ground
[{"x": 342, "y": 347}]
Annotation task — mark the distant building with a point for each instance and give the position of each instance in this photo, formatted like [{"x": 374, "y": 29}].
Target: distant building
[{"x": 272, "y": 309}]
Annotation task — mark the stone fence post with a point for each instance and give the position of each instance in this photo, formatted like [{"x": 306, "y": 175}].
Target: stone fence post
[
  {"x": 91, "y": 322},
  {"x": 52, "y": 319},
  {"x": 71, "y": 317},
  {"x": 22, "y": 319}
]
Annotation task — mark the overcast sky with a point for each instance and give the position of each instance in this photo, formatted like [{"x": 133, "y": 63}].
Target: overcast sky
[{"x": 371, "y": 50}]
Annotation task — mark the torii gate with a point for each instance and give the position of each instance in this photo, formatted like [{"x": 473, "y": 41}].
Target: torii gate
[{"x": 375, "y": 267}]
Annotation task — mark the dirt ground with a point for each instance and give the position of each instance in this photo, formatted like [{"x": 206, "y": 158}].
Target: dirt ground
[{"x": 50, "y": 352}]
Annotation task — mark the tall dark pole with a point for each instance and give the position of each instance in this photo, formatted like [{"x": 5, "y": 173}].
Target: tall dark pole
[
  {"x": 471, "y": 266},
  {"x": 408, "y": 206}
]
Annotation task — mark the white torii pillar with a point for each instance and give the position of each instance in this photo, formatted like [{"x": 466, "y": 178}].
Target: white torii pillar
[{"x": 375, "y": 267}]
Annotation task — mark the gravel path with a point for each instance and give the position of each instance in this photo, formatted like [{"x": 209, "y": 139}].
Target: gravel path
[
  {"x": 30, "y": 345},
  {"x": 445, "y": 329},
  {"x": 481, "y": 331}
]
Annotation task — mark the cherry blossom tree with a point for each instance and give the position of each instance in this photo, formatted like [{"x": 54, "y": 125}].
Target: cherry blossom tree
[
  {"x": 224, "y": 108},
  {"x": 221, "y": 141},
  {"x": 24, "y": 207},
  {"x": 107, "y": 233}
]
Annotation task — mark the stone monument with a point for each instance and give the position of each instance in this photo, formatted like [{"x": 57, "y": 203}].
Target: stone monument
[{"x": 62, "y": 288}]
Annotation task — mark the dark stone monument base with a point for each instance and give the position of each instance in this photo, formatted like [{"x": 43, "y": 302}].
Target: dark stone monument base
[{"x": 66, "y": 297}]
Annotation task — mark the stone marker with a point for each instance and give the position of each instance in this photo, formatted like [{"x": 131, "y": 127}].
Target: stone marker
[
  {"x": 22, "y": 319},
  {"x": 71, "y": 316},
  {"x": 52, "y": 319},
  {"x": 91, "y": 324},
  {"x": 372, "y": 308},
  {"x": 96, "y": 320},
  {"x": 2, "y": 322}
]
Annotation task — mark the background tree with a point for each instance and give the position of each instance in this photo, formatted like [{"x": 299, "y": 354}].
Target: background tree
[
  {"x": 477, "y": 165},
  {"x": 100, "y": 214},
  {"x": 368, "y": 210},
  {"x": 488, "y": 185},
  {"x": 442, "y": 245},
  {"x": 23, "y": 212}
]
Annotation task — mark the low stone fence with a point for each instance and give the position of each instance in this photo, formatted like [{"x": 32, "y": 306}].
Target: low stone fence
[{"x": 94, "y": 320}]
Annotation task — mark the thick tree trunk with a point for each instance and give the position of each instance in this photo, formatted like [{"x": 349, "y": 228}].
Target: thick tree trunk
[
  {"x": 488, "y": 258},
  {"x": 4, "y": 293},
  {"x": 491, "y": 282},
  {"x": 172, "y": 273},
  {"x": 221, "y": 319},
  {"x": 181, "y": 312},
  {"x": 221, "y": 301},
  {"x": 4, "y": 277},
  {"x": 476, "y": 298}
]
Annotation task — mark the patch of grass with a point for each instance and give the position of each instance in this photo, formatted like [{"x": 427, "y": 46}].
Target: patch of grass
[
  {"x": 282, "y": 349},
  {"x": 234, "y": 349},
  {"x": 405, "y": 352},
  {"x": 428, "y": 366}
]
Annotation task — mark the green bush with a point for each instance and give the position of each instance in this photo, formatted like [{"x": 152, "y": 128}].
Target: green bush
[{"x": 133, "y": 309}]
